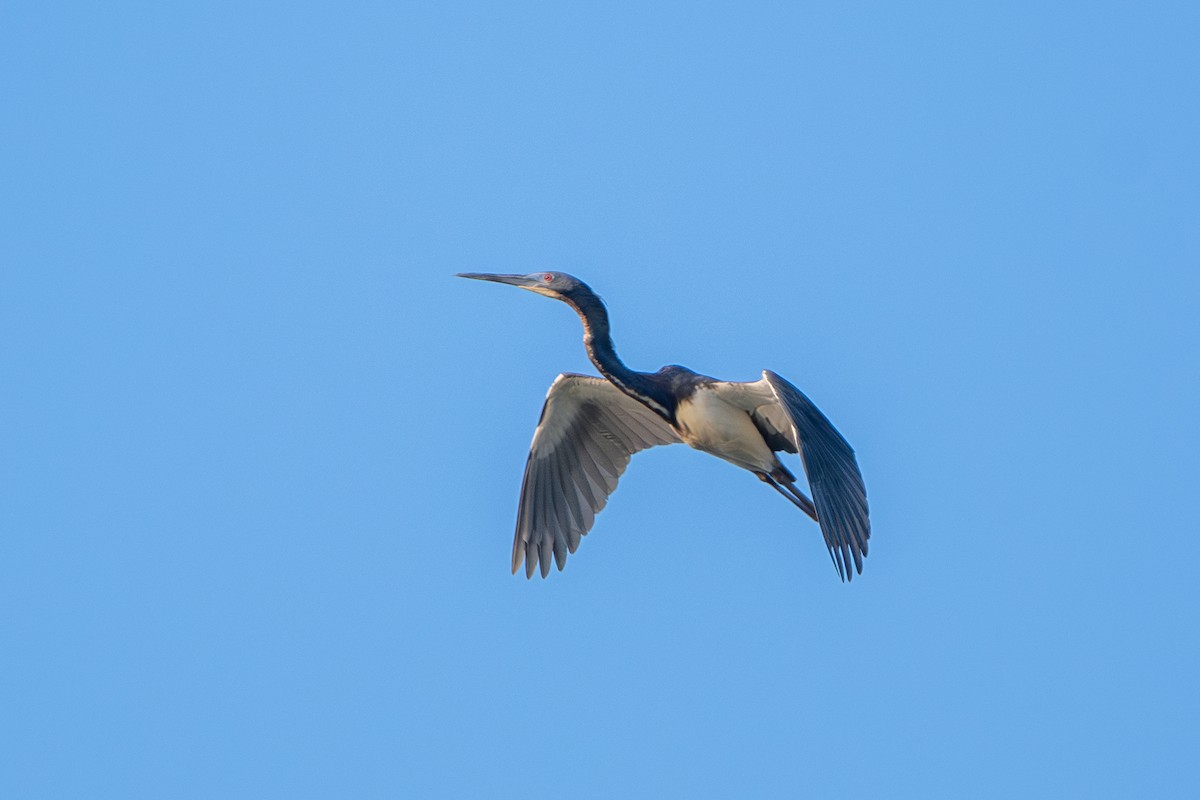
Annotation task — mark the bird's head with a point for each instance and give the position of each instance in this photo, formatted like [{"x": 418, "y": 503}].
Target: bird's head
[{"x": 558, "y": 285}]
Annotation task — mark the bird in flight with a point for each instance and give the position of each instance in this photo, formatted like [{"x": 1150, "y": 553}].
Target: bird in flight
[{"x": 591, "y": 426}]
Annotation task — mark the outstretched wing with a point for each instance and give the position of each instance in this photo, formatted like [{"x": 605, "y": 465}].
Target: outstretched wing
[
  {"x": 789, "y": 421},
  {"x": 587, "y": 432},
  {"x": 833, "y": 476}
]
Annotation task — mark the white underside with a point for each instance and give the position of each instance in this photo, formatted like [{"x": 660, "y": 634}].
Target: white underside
[{"x": 709, "y": 423}]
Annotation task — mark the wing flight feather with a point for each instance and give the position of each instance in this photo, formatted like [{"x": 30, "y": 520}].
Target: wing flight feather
[
  {"x": 833, "y": 476},
  {"x": 789, "y": 421},
  {"x": 587, "y": 432}
]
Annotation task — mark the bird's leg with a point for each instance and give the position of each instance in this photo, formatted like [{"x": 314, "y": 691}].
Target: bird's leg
[
  {"x": 805, "y": 503},
  {"x": 791, "y": 493}
]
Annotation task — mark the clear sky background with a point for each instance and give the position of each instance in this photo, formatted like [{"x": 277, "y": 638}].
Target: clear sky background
[{"x": 261, "y": 452}]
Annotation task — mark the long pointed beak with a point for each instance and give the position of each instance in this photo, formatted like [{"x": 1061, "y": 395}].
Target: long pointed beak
[{"x": 511, "y": 280}]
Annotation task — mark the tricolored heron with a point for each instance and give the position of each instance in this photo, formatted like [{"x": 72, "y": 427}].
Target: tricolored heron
[{"x": 590, "y": 427}]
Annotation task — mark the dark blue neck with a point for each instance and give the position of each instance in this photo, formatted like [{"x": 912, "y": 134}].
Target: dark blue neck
[{"x": 598, "y": 341}]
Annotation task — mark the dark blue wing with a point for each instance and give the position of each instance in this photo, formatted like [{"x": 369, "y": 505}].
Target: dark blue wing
[{"x": 833, "y": 476}]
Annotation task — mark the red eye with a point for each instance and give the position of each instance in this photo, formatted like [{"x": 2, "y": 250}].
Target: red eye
[{"x": 547, "y": 278}]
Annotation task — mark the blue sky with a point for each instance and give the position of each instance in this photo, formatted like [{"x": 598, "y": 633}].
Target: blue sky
[{"x": 261, "y": 451}]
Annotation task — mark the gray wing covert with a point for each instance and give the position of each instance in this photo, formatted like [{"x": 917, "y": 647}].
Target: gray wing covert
[{"x": 587, "y": 432}]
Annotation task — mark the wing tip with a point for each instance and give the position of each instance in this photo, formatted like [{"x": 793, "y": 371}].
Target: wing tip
[{"x": 518, "y": 554}]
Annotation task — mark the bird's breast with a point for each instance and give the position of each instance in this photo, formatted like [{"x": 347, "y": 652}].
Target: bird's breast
[{"x": 706, "y": 422}]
